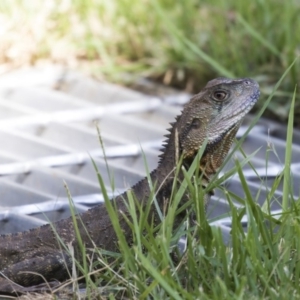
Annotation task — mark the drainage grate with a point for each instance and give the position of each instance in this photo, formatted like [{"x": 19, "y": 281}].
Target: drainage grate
[{"x": 48, "y": 133}]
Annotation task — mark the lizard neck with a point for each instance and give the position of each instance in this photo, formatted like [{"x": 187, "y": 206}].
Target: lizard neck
[
  {"x": 161, "y": 177},
  {"x": 216, "y": 152},
  {"x": 159, "y": 181}
]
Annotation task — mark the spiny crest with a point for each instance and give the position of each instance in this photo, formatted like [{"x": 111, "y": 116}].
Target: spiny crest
[
  {"x": 168, "y": 137},
  {"x": 160, "y": 156}
]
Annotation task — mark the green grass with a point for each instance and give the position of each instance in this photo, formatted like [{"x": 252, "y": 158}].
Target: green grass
[
  {"x": 181, "y": 43},
  {"x": 261, "y": 263}
]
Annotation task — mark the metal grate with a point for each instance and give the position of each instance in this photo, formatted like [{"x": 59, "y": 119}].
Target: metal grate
[{"x": 48, "y": 131}]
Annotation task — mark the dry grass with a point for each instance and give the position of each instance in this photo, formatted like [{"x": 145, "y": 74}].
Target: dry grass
[{"x": 32, "y": 32}]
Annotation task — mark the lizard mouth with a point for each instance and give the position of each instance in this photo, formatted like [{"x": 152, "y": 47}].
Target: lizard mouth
[{"x": 244, "y": 107}]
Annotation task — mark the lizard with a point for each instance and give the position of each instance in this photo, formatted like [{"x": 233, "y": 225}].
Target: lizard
[{"x": 213, "y": 115}]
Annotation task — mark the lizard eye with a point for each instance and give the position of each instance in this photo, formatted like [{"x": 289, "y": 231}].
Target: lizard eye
[{"x": 219, "y": 95}]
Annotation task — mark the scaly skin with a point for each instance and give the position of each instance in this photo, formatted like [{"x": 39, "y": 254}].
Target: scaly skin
[{"x": 214, "y": 114}]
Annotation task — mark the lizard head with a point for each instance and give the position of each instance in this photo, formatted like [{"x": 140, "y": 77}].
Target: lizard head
[{"x": 214, "y": 114}]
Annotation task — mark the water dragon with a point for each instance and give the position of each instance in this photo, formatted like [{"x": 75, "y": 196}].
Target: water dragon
[{"x": 213, "y": 115}]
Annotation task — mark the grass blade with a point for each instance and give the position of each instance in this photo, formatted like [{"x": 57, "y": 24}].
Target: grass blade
[{"x": 287, "y": 179}]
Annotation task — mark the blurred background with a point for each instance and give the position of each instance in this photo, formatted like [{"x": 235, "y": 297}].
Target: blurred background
[
  {"x": 65, "y": 66},
  {"x": 182, "y": 44}
]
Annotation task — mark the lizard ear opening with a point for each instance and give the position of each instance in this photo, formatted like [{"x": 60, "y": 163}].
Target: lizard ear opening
[{"x": 196, "y": 123}]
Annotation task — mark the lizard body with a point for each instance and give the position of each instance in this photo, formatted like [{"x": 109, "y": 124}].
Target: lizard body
[{"x": 214, "y": 114}]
